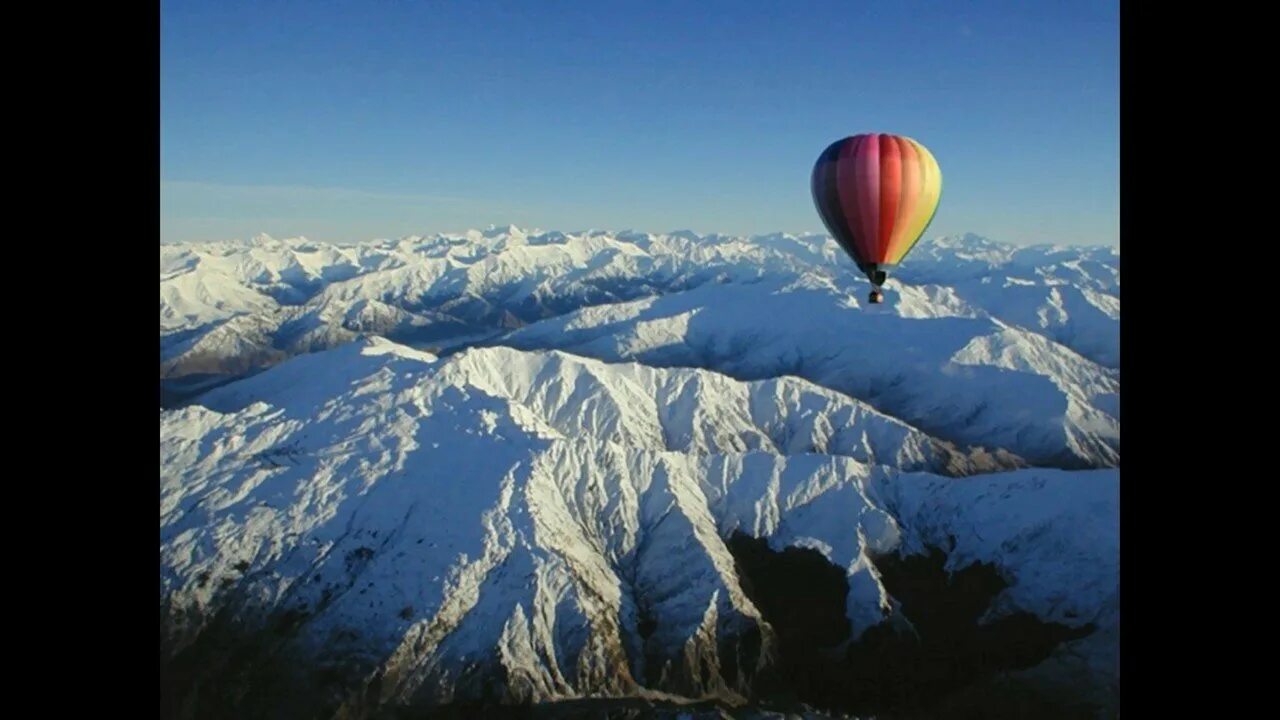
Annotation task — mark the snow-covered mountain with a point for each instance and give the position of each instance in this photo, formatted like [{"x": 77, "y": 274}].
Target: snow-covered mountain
[
  {"x": 975, "y": 380},
  {"x": 235, "y": 305},
  {"x": 534, "y": 525},
  {"x": 525, "y": 466},
  {"x": 970, "y": 323}
]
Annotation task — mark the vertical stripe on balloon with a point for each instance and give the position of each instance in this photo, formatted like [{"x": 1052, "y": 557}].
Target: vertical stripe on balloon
[
  {"x": 827, "y": 198},
  {"x": 867, "y": 172},
  {"x": 847, "y": 188},
  {"x": 909, "y": 203},
  {"x": 821, "y": 183},
  {"x": 930, "y": 193},
  {"x": 890, "y": 193}
]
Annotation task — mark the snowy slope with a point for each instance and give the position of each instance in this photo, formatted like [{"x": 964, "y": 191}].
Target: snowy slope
[
  {"x": 534, "y": 525},
  {"x": 431, "y": 290},
  {"x": 1068, "y": 294},
  {"x": 973, "y": 380}
]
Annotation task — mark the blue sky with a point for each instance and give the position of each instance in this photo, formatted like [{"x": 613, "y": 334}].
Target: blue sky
[{"x": 383, "y": 118}]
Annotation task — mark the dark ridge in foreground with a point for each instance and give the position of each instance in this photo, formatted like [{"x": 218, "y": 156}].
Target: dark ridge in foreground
[
  {"x": 608, "y": 709},
  {"x": 938, "y": 663},
  {"x": 932, "y": 660}
]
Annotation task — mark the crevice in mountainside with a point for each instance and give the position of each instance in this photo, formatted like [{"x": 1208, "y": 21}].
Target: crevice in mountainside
[
  {"x": 934, "y": 655},
  {"x": 186, "y": 390}
]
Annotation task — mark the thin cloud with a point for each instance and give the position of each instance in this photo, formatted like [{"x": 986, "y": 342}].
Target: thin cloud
[{"x": 300, "y": 192}]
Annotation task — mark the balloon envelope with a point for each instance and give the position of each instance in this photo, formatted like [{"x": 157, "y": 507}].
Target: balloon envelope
[{"x": 876, "y": 193}]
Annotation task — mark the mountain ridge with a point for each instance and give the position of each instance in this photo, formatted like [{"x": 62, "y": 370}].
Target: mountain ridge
[{"x": 392, "y": 508}]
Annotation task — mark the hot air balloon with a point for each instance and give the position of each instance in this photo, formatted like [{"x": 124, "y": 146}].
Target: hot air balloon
[{"x": 876, "y": 193}]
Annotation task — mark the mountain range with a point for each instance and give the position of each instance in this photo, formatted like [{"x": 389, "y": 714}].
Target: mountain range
[{"x": 523, "y": 467}]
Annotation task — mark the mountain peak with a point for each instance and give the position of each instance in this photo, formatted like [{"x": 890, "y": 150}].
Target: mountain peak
[
  {"x": 493, "y": 231},
  {"x": 686, "y": 234},
  {"x": 967, "y": 239}
]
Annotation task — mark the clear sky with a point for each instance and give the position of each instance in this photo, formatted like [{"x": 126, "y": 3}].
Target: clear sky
[{"x": 383, "y": 118}]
